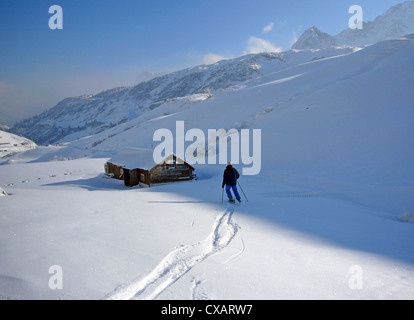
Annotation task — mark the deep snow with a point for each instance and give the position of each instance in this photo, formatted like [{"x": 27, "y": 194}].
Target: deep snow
[{"x": 177, "y": 241}]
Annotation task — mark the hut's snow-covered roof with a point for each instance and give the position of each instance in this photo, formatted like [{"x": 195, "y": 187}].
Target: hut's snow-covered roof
[{"x": 132, "y": 158}]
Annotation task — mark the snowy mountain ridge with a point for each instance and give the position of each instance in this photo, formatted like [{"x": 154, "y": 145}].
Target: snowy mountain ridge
[
  {"x": 395, "y": 22},
  {"x": 89, "y": 114},
  {"x": 314, "y": 38},
  {"x": 77, "y": 117}
]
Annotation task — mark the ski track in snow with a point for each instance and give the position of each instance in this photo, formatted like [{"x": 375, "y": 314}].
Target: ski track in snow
[
  {"x": 243, "y": 247},
  {"x": 179, "y": 261}
]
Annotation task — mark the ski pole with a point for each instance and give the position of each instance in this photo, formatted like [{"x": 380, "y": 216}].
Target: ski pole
[
  {"x": 242, "y": 190},
  {"x": 222, "y": 194}
]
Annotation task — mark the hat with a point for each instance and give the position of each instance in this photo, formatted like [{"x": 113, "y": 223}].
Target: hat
[{"x": 229, "y": 163}]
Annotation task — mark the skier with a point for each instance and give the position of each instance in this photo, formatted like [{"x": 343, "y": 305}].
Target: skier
[{"x": 230, "y": 177}]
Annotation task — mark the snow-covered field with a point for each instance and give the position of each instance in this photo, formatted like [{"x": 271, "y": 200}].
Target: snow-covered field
[
  {"x": 178, "y": 241},
  {"x": 330, "y": 216}
]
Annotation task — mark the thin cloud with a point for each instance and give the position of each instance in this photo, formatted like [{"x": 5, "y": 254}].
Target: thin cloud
[
  {"x": 268, "y": 28},
  {"x": 295, "y": 35},
  {"x": 258, "y": 45},
  {"x": 211, "y": 58}
]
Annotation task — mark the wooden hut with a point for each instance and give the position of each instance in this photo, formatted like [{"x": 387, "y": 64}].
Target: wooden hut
[{"x": 137, "y": 166}]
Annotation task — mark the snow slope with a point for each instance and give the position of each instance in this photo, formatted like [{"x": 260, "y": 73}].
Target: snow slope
[{"x": 11, "y": 144}]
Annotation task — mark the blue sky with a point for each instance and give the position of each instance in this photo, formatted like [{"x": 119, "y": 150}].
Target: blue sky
[{"x": 110, "y": 43}]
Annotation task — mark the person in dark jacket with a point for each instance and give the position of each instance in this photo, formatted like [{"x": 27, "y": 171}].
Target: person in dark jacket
[{"x": 230, "y": 177}]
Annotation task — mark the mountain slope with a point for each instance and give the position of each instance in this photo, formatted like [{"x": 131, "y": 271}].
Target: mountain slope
[
  {"x": 77, "y": 117},
  {"x": 314, "y": 38},
  {"x": 11, "y": 144},
  {"x": 90, "y": 114},
  {"x": 396, "y": 22},
  {"x": 343, "y": 118}
]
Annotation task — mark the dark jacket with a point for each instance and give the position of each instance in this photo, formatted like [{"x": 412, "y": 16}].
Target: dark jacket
[{"x": 230, "y": 176}]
